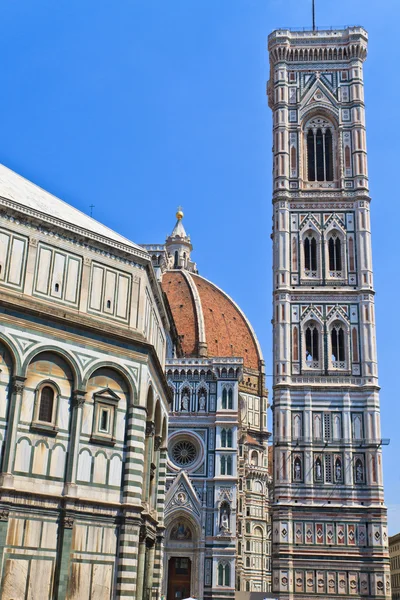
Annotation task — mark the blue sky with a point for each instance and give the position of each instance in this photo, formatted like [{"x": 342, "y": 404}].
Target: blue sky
[{"x": 138, "y": 106}]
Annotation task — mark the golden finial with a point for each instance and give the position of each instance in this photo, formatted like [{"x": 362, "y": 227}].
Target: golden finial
[{"x": 179, "y": 213}]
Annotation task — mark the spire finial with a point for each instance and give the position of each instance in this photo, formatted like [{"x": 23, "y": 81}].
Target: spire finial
[
  {"x": 179, "y": 213},
  {"x": 313, "y": 15}
]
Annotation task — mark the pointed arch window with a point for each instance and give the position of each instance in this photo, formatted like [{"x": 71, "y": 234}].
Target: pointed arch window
[
  {"x": 338, "y": 353},
  {"x": 310, "y": 255},
  {"x": 223, "y": 438},
  {"x": 319, "y": 142},
  {"x": 224, "y": 398},
  {"x": 224, "y": 574},
  {"x": 229, "y": 438},
  {"x": 312, "y": 344},
  {"x": 229, "y": 465},
  {"x": 230, "y": 399},
  {"x": 223, "y": 465},
  {"x": 335, "y": 253}
]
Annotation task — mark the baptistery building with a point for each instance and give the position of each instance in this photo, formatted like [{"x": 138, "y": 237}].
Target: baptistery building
[
  {"x": 84, "y": 405},
  {"x": 217, "y": 515}
]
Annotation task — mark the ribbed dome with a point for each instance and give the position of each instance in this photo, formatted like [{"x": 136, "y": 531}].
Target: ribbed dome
[{"x": 208, "y": 321}]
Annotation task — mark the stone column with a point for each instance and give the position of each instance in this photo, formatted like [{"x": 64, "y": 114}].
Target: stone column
[
  {"x": 135, "y": 454},
  {"x": 63, "y": 565},
  {"x": 154, "y": 484},
  {"x": 148, "y": 457},
  {"x": 150, "y": 556},
  {"x": 128, "y": 559},
  {"x": 10, "y": 444},
  {"x": 4, "y": 512},
  {"x": 78, "y": 401},
  {"x": 141, "y": 565},
  {"x": 158, "y": 561}
]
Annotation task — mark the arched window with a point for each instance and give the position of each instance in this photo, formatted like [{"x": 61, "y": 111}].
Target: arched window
[
  {"x": 229, "y": 465},
  {"x": 46, "y": 404},
  {"x": 224, "y": 574},
  {"x": 230, "y": 398},
  {"x": 224, "y": 398},
  {"x": 247, "y": 586},
  {"x": 223, "y": 465},
  {"x": 319, "y": 141},
  {"x": 254, "y": 458},
  {"x": 335, "y": 253},
  {"x": 227, "y": 575},
  {"x": 229, "y": 438},
  {"x": 176, "y": 259},
  {"x": 310, "y": 253},
  {"x": 338, "y": 355},
  {"x": 220, "y": 574},
  {"x": 312, "y": 345},
  {"x": 248, "y": 559},
  {"x": 223, "y": 438}
]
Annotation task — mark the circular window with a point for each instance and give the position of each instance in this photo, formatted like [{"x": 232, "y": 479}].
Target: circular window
[{"x": 183, "y": 453}]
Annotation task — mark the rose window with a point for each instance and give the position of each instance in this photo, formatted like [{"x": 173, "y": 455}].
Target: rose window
[{"x": 184, "y": 453}]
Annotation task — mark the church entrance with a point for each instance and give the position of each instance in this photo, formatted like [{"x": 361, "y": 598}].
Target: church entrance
[{"x": 179, "y": 573}]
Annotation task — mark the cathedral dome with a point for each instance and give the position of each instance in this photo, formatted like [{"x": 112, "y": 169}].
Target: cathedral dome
[{"x": 208, "y": 322}]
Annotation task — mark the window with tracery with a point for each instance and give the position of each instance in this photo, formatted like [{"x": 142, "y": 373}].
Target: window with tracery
[
  {"x": 338, "y": 353},
  {"x": 312, "y": 346},
  {"x": 310, "y": 255},
  {"x": 224, "y": 574},
  {"x": 335, "y": 254},
  {"x": 319, "y": 142}
]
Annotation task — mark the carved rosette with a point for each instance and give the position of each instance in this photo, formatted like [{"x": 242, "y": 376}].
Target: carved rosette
[{"x": 68, "y": 522}]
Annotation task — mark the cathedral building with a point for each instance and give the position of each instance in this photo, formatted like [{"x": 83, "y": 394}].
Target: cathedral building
[
  {"x": 329, "y": 519},
  {"x": 217, "y": 511},
  {"x": 84, "y": 405}
]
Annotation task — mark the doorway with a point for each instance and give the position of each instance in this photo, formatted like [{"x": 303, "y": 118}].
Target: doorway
[{"x": 179, "y": 573}]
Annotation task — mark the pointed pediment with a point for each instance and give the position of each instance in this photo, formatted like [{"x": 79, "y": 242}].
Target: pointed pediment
[
  {"x": 107, "y": 394},
  {"x": 320, "y": 95},
  {"x": 182, "y": 496}
]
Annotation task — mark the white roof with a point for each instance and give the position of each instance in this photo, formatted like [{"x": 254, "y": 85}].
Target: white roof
[{"x": 25, "y": 193}]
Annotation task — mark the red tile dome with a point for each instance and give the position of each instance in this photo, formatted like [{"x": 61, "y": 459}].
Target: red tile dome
[{"x": 208, "y": 321}]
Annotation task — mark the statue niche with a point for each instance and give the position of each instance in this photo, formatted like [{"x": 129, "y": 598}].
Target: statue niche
[
  {"x": 181, "y": 531},
  {"x": 224, "y": 519}
]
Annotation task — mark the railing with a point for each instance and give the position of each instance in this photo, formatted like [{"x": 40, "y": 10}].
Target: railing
[{"x": 320, "y": 28}]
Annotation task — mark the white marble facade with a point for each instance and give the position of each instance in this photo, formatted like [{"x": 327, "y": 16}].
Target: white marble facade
[{"x": 84, "y": 405}]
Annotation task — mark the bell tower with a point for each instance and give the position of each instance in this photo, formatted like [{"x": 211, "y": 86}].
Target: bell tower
[{"x": 329, "y": 518}]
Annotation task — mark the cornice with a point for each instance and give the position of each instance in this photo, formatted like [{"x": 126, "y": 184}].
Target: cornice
[{"x": 84, "y": 234}]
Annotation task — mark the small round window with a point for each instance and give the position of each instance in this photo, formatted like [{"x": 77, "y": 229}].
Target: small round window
[{"x": 183, "y": 453}]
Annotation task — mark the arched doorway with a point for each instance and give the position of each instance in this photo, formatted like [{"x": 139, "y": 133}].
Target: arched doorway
[{"x": 184, "y": 558}]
